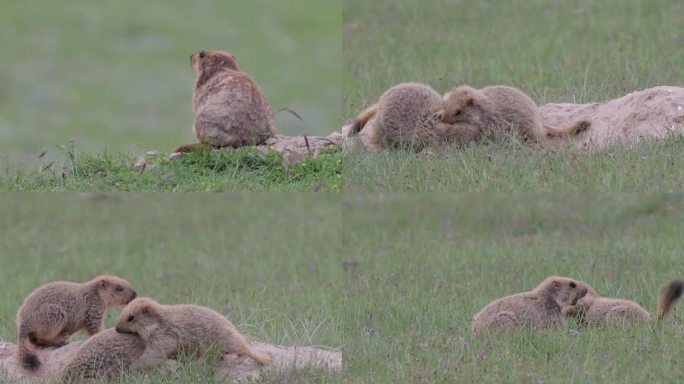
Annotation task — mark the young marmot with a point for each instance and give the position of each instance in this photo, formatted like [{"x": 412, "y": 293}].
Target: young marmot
[
  {"x": 53, "y": 312},
  {"x": 106, "y": 355},
  {"x": 405, "y": 117},
  {"x": 170, "y": 329},
  {"x": 500, "y": 109},
  {"x": 229, "y": 108},
  {"x": 540, "y": 307},
  {"x": 596, "y": 309}
]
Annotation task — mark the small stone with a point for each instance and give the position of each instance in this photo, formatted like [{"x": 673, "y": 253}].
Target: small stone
[{"x": 141, "y": 164}]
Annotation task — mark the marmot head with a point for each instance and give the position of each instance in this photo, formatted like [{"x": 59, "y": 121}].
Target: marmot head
[
  {"x": 141, "y": 316},
  {"x": 113, "y": 290},
  {"x": 564, "y": 290},
  {"x": 461, "y": 106},
  {"x": 210, "y": 61},
  {"x": 580, "y": 308},
  {"x": 590, "y": 290}
]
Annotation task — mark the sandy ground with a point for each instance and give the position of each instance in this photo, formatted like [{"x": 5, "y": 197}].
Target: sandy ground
[
  {"x": 653, "y": 113},
  {"x": 284, "y": 358}
]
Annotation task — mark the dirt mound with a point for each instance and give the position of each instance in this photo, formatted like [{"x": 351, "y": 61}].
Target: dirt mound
[
  {"x": 653, "y": 113},
  {"x": 284, "y": 358}
]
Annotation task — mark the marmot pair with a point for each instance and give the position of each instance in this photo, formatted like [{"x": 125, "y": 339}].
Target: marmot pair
[
  {"x": 147, "y": 334},
  {"x": 557, "y": 297},
  {"x": 414, "y": 115}
]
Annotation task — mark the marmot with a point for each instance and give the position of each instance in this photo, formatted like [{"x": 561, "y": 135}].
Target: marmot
[
  {"x": 405, "y": 117},
  {"x": 169, "y": 329},
  {"x": 229, "y": 108},
  {"x": 501, "y": 109},
  {"x": 594, "y": 308},
  {"x": 108, "y": 355},
  {"x": 540, "y": 307},
  {"x": 53, "y": 312}
]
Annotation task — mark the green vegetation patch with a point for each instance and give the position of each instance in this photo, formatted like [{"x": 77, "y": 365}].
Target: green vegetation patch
[{"x": 243, "y": 169}]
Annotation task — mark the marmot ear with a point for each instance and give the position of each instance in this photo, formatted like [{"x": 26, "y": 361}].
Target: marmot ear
[
  {"x": 146, "y": 310},
  {"x": 103, "y": 283},
  {"x": 470, "y": 101}
]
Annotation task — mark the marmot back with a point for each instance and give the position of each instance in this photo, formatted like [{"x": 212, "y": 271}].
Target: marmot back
[
  {"x": 404, "y": 117},
  {"x": 230, "y": 109},
  {"x": 108, "y": 355}
]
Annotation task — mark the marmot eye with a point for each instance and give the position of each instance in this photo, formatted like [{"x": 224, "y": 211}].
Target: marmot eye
[
  {"x": 202, "y": 54},
  {"x": 131, "y": 318},
  {"x": 119, "y": 289},
  {"x": 457, "y": 112},
  {"x": 572, "y": 284}
]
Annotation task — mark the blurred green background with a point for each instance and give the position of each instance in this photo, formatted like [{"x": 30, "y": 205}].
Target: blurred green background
[{"x": 115, "y": 74}]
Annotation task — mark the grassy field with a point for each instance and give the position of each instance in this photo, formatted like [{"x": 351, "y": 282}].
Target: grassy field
[
  {"x": 392, "y": 280},
  {"x": 266, "y": 261},
  {"x": 245, "y": 169},
  {"x": 658, "y": 167},
  {"x": 579, "y": 51},
  {"x": 421, "y": 266},
  {"x": 115, "y": 75}
]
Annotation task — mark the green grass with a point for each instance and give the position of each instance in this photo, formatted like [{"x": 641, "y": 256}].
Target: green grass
[
  {"x": 115, "y": 74},
  {"x": 264, "y": 260},
  {"x": 580, "y": 51},
  {"x": 422, "y": 266},
  {"x": 658, "y": 167},
  {"x": 244, "y": 169}
]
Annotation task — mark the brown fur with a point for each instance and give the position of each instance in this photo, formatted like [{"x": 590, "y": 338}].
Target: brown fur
[
  {"x": 540, "y": 307},
  {"x": 596, "y": 309},
  {"x": 170, "y": 329},
  {"x": 230, "y": 109},
  {"x": 107, "y": 355},
  {"x": 405, "y": 117},
  {"x": 501, "y": 109},
  {"x": 55, "y": 311}
]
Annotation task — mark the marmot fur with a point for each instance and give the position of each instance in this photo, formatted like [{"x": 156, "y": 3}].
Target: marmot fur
[
  {"x": 106, "y": 355},
  {"x": 230, "y": 109},
  {"x": 594, "y": 308},
  {"x": 405, "y": 117},
  {"x": 501, "y": 109},
  {"x": 169, "y": 329},
  {"x": 53, "y": 312},
  {"x": 540, "y": 307}
]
